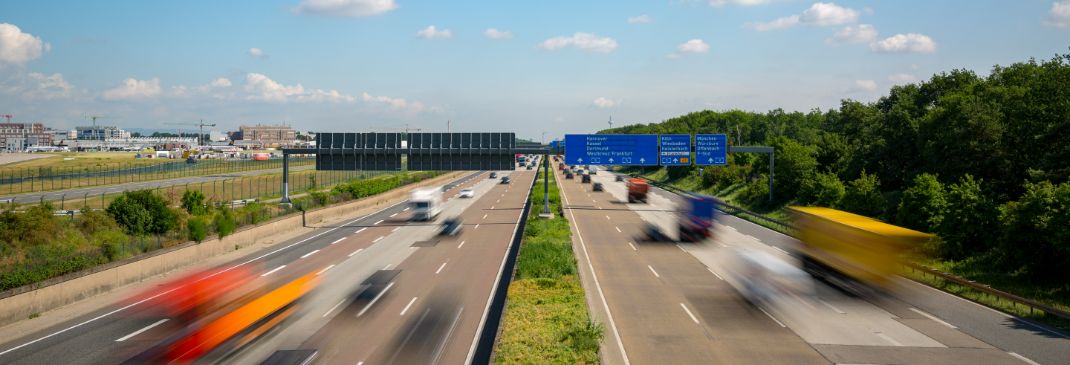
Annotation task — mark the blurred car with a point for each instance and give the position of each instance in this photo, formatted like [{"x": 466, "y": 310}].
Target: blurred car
[
  {"x": 493, "y": 175},
  {"x": 467, "y": 193},
  {"x": 619, "y": 178},
  {"x": 451, "y": 227},
  {"x": 569, "y": 175},
  {"x": 597, "y": 187},
  {"x": 505, "y": 180},
  {"x": 586, "y": 179},
  {"x": 529, "y": 167},
  {"x": 594, "y": 170}
]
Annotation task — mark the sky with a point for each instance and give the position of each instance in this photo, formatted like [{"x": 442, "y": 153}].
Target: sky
[{"x": 488, "y": 66}]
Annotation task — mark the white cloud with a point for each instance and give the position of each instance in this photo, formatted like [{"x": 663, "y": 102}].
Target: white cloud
[
  {"x": 220, "y": 83},
  {"x": 694, "y": 46},
  {"x": 37, "y": 86},
  {"x": 910, "y": 42},
  {"x": 738, "y": 2},
  {"x": 642, "y": 19},
  {"x": 433, "y": 33},
  {"x": 263, "y": 88},
  {"x": 866, "y": 85},
  {"x": 134, "y": 89},
  {"x": 395, "y": 103},
  {"x": 256, "y": 52},
  {"x": 902, "y": 78},
  {"x": 603, "y": 103},
  {"x": 861, "y": 33},
  {"x": 1059, "y": 15},
  {"x": 493, "y": 33},
  {"x": 351, "y": 8},
  {"x": 584, "y": 41},
  {"x": 819, "y": 14},
  {"x": 17, "y": 47}
]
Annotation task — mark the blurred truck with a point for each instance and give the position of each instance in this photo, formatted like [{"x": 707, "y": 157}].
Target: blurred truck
[
  {"x": 637, "y": 190},
  {"x": 845, "y": 248},
  {"x": 694, "y": 221},
  {"x": 426, "y": 204}
]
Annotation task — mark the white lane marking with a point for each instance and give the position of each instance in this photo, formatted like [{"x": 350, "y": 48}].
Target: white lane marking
[
  {"x": 360, "y": 230},
  {"x": 377, "y": 223},
  {"x": 1023, "y": 358},
  {"x": 356, "y": 252},
  {"x": 377, "y": 239},
  {"x": 376, "y": 299},
  {"x": 652, "y": 270},
  {"x": 462, "y": 244},
  {"x": 722, "y": 244},
  {"x": 932, "y": 317},
  {"x": 618, "y": 229},
  {"x": 392, "y": 215},
  {"x": 496, "y": 202},
  {"x": 594, "y": 276},
  {"x": 889, "y": 339},
  {"x": 476, "y": 227},
  {"x": 387, "y": 267},
  {"x": 138, "y": 332},
  {"x": 780, "y": 249},
  {"x": 408, "y": 305},
  {"x": 689, "y": 313},
  {"x": 272, "y": 271},
  {"x": 333, "y": 308},
  {"x": 440, "y": 268},
  {"x": 395, "y": 229},
  {"x": 681, "y": 247},
  {"x": 405, "y": 210},
  {"x": 771, "y": 317},
  {"x": 607, "y": 216},
  {"x": 715, "y": 274},
  {"x": 633, "y": 246},
  {"x": 827, "y": 304},
  {"x": 310, "y": 253},
  {"x": 491, "y": 207},
  {"x": 485, "y": 216},
  {"x": 338, "y": 240},
  {"x": 324, "y": 270}
]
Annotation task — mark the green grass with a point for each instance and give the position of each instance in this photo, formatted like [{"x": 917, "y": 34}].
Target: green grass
[{"x": 546, "y": 319}]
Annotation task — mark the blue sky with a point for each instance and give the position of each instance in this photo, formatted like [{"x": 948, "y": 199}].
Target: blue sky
[{"x": 555, "y": 66}]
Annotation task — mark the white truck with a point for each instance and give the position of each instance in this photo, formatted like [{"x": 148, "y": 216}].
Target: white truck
[{"x": 426, "y": 203}]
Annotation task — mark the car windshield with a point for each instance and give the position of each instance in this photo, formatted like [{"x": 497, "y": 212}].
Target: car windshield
[{"x": 421, "y": 205}]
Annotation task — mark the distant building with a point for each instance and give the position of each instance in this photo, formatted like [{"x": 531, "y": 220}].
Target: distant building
[
  {"x": 217, "y": 136},
  {"x": 60, "y": 135},
  {"x": 267, "y": 135},
  {"x": 20, "y": 136},
  {"x": 100, "y": 133}
]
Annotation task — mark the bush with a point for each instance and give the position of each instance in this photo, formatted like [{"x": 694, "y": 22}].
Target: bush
[
  {"x": 141, "y": 212},
  {"x": 863, "y": 196},
  {"x": 757, "y": 193},
  {"x": 969, "y": 221},
  {"x": 92, "y": 221},
  {"x": 1035, "y": 235},
  {"x": 197, "y": 229},
  {"x": 224, "y": 222},
  {"x": 825, "y": 190},
  {"x": 922, "y": 205},
  {"x": 193, "y": 202}
]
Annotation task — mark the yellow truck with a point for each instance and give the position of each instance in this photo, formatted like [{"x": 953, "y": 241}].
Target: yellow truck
[{"x": 838, "y": 245}]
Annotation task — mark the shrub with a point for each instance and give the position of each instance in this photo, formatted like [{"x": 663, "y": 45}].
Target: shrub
[
  {"x": 863, "y": 196},
  {"x": 143, "y": 211},
  {"x": 757, "y": 193},
  {"x": 197, "y": 229},
  {"x": 922, "y": 205},
  {"x": 825, "y": 190},
  {"x": 224, "y": 222},
  {"x": 92, "y": 221},
  {"x": 969, "y": 221},
  {"x": 193, "y": 202},
  {"x": 584, "y": 337},
  {"x": 1035, "y": 235}
]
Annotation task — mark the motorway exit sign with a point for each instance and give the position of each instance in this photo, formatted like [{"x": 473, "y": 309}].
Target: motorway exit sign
[
  {"x": 711, "y": 149},
  {"x": 611, "y": 149},
  {"x": 675, "y": 149}
]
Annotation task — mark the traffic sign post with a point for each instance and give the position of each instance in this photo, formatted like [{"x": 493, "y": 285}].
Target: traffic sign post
[
  {"x": 711, "y": 149},
  {"x": 675, "y": 149},
  {"x": 611, "y": 149}
]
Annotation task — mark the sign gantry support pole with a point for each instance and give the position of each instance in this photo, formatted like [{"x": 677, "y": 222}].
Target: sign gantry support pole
[{"x": 546, "y": 185}]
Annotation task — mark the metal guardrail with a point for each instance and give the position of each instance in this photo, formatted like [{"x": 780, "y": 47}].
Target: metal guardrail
[{"x": 787, "y": 229}]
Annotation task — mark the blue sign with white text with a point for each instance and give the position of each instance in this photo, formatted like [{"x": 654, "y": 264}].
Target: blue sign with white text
[
  {"x": 611, "y": 149},
  {"x": 711, "y": 149},
  {"x": 675, "y": 149}
]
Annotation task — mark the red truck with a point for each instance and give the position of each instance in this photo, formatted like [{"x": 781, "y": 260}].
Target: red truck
[{"x": 637, "y": 190}]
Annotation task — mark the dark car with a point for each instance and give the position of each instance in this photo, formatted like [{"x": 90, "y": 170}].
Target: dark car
[
  {"x": 620, "y": 178},
  {"x": 505, "y": 180},
  {"x": 586, "y": 179},
  {"x": 494, "y": 175},
  {"x": 451, "y": 227},
  {"x": 529, "y": 167},
  {"x": 597, "y": 187},
  {"x": 569, "y": 175}
]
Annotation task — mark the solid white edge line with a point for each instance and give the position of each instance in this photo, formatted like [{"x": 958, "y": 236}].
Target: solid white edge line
[
  {"x": 407, "y": 306},
  {"x": 272, "y": 271},
  {"x": 440, "y": 268},
  {"x": 633, "y": 246},
  {"x": 309, "y": 254},
  {"x": 324, "y": 270},
  {"x": 1023, "y": 358},
  {"x": 594, "y": 276},
  {"x": 376, "y": 299},
  {"x": 338, "y": 240},
  {"x": 777, "y": 321},
  {"x": 356, "y": 252},
  {"x": 333, "y": 308},
  {"x": 138, "y": 332},
  {"x": 652, "y": 270},
  {"x": 715, "y": 274},
  {"x": 494, "y": 289},
  {"x": 688, "y": 311},
  {"x": 932, "y": 317}
]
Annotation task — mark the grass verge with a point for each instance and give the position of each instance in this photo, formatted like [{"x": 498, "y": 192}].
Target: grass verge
[{"x": 546, "y": 319}]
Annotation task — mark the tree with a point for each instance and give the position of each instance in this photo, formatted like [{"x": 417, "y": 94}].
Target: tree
[
  {"x": 968, "y": 222},
  {"x": 224, "y": 222},
  {"x": 794, "y": 164},
  {"x": 197, "y": 229},
  {"x": 922, "y": 205},
  {"x": 143, "y": 212},
  {"x": 193, "y": 202},
  {"x": 863, "y": 196},
  {"x": 825, "y": 190},
  {"x": 1035, "y": 235}
]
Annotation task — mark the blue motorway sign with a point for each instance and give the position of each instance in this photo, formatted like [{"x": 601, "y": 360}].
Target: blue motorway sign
[
  {"x": 611, "y": 149},
  {"x": 675, "y": 149},
  {"x": 711, "y": 149}
]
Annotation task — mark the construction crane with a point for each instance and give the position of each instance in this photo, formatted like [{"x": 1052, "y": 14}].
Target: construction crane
[
  {"x": 200, "y": 125},
  {"x": 94, "y": 119},
  {"x": 406, "y": 129}
]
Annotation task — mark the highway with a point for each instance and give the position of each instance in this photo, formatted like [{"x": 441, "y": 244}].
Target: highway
[
  {"x": 91, "y": 191},
  {"x": 913, "y": 324},
  {"x": 343, "y": 255}
]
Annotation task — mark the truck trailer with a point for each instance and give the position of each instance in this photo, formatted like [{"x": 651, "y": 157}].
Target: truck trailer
[{"x": 426, "y": 203}]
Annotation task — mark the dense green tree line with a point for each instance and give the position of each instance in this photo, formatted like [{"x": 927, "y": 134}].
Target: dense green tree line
[{"x": 982, "y": 161}]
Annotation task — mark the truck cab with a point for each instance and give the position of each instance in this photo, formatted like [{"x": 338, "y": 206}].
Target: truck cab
[{"x": 426, "y": 204}]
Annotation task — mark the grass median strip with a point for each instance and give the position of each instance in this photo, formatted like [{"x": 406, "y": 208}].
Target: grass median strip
[{"x": 546, "y": 319}]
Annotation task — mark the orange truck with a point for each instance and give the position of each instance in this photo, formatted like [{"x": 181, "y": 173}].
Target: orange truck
[{"x": 637, "y": 190}]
